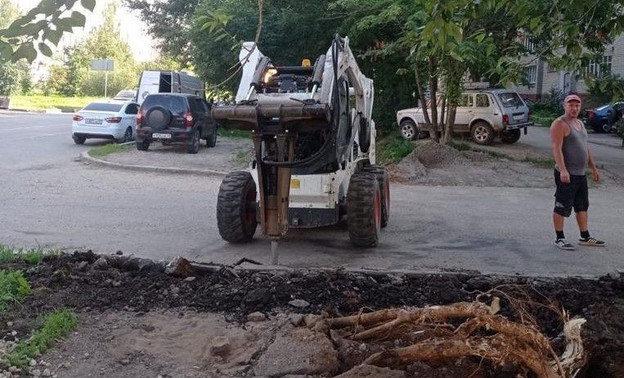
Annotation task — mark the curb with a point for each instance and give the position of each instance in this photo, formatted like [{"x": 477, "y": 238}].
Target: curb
[{"x": 148, "y": 168}]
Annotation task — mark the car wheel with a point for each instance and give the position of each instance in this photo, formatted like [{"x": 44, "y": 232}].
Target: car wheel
[
  {"x": 127, "y": 136},
  {"x": 79, "y": 139},
  {"x": 409, "y": 130},
  {"x": 606, "y": 127},
  {"x": 482, "y": 133},
  {"x": 192, "y": 146},
  {"x": 364, "y": 209},
  {"x": 510, "y": 136},
  {"x": 142, "y": 145},
  {"x": 236, "y": 207},
  {"x": 211, "y": 141}
]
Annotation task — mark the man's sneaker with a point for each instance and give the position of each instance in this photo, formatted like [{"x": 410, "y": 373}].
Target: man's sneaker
[
  {"x": 563, "y": 244},
  {"x": 591, "y": 242}
]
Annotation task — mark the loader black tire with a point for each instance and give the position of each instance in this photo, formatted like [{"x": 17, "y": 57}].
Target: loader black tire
[
  {"x": 364, "y": 209},
  {"x": 236, "y": 207},
  {"x": 384, "y": 187}
]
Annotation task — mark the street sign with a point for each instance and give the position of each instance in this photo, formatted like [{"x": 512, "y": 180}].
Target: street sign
[{"x": 102, "y": 65}]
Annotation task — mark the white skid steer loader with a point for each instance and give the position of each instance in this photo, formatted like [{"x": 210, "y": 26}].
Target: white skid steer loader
[{"x": 314, "y": 143}]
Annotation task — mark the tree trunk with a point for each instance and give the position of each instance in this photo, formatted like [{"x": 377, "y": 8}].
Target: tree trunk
[
  {"x": 450, "y": 122},
  {"x": 421, "y": 96},
  {"x": 433, "y": 88}
]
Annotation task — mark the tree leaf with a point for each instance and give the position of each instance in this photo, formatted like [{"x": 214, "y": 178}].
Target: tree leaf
[
  {"x": 78, "y": 19},
  {"x": 88, "y": 4},
  {"x": 25, "y": 51},
  {"x": 45, "y": 49}
]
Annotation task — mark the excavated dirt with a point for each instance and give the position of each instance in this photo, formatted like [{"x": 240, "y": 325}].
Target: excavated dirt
[
  {"x": 138, "y": 321},
  {"x": 497, "y": 166}
]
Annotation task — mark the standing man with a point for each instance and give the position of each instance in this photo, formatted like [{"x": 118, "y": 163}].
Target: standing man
[{"x": 572, "y": 156}]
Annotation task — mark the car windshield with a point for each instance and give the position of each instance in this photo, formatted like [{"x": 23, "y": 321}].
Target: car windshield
[
  {"x": 103, "y": 107},
  {"x": 510, "y": 99},
  {"x": 174, "y": 104}
]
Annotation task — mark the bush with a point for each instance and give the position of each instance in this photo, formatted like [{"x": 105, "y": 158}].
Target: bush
[{"x": 552, "y": 103}]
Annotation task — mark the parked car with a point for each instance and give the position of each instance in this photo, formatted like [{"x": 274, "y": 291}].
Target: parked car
[
  {"x": 602, "y": 119},
  {"x": 484, "y": 114},
  {"x": 126, "y": 94},
  {"x": 175, "y": 117},
  {"x": 108, "y": 119}
]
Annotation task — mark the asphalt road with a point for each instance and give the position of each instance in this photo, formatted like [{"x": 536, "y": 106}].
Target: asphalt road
[{"x": 50, "y": 198}]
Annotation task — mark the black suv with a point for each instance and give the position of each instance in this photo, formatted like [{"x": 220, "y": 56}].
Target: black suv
[{"x": 175, "y": 117}]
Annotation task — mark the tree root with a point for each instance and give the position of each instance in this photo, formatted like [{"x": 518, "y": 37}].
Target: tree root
[{"x": 480, "y": 333}]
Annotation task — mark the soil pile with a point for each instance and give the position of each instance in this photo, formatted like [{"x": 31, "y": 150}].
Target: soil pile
[
  {"x": 436, "y": 164},
  {"x": 113, "y": 292}
]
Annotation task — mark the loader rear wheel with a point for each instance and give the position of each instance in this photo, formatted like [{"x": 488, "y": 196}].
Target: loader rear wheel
[
  {"x": 236, "y": 207},
  {"x": 364, "y": 209},
  {"x": 384, "y": 188}
]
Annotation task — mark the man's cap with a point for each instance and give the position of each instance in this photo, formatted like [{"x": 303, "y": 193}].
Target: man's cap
[{"x": 571, "y": 97}]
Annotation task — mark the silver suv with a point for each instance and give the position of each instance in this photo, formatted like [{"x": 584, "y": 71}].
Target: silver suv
[{"x": 484, "y": 114}]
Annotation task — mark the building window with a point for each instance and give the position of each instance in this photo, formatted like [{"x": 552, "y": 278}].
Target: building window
[
  {"x": 599, "y": 67},
  {"x": 531, "y": 74},
  {"x": 528, "y": 43}
]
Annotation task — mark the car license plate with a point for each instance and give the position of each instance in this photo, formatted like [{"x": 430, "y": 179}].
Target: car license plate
[
  {"x": 92, "y": 121},
  {"x": 518, "y": 117},
  {"x": 161, "y": 136}
]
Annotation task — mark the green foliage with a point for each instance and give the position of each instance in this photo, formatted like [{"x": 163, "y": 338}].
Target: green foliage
[
  {"x": 9, "y": 79},
  {"x": 42, "y": 27},
  {"x": 55, "y": 326},
  {"x": 392, "y": 149},
  {"x": 552, "y": 103},
  {"x": 108, "y": 149},
  {"x": 606, "y": 89},
  {"x": 13, "y": 288},
  {"x": 103, "y": 43},
  {"x": 215, "y": 54}
]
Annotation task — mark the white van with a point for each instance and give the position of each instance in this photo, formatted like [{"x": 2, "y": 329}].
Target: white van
[{"x": 169, "y": 82}]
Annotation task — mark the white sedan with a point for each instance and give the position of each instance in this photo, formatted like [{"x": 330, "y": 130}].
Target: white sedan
[{"x": 107, "y": 119}]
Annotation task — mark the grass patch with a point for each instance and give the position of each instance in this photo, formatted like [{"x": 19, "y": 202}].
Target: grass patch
[
  {"x": 242, "y": 157},
  {"x": 55, "y": 325},
  {"x": 13, "y": 288},
  {"x": 30, "y": 256},
  {"x": 541, "y": 162},
  {"x": 234, "y": 133},
  {"x": 392, "y": 149},
  {"x": 42, "y": 102},
  {"x": 110, "y": 148}
]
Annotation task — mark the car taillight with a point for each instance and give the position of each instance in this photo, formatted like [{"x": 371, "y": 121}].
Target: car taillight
[
  {"x": 188, "y": 119},
  {"x": 590, "y": 114},
  {"x": 139, "y": 118},
  {"x": 113, "y": 119},
  {"x": 505, "y": 119},
  {"x": 77, "y": 118}
]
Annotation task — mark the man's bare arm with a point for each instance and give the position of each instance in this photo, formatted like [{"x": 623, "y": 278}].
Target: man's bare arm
[{"x": 558, "y": 131}]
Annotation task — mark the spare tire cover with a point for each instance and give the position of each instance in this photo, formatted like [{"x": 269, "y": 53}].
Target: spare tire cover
[{"x": 158, "y": 117}]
